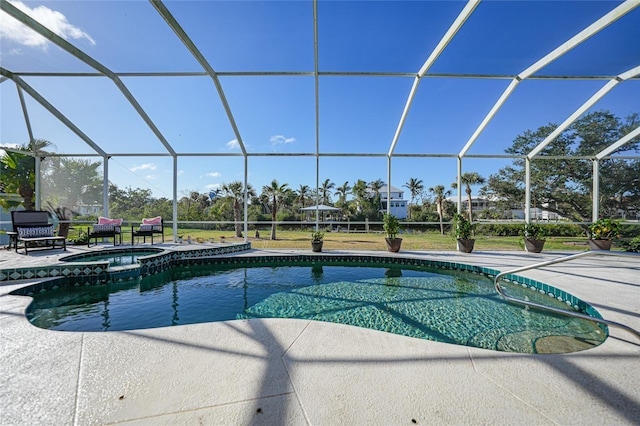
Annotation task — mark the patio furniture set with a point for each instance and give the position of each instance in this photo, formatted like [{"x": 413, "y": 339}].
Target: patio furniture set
[{"x": 33, "y": 229}]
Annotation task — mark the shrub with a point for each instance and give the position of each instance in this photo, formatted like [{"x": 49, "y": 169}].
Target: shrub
[
  {"x": 462, "y": 228},
  {"x": 633, "y": 245},
  {"x": 534, "y": 231},
  {"x": 391, "y": 225},
  {"x": 514, "y": 230},
  {"x": 604, "y": 229},
  {"x": 499, "y": 230}
]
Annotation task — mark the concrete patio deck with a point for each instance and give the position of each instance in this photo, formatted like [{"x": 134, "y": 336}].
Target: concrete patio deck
[{"x": 299, "y": 372}]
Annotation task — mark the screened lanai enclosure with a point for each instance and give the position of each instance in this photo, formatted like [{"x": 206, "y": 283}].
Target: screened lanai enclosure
[{"x": 223, "y": 112}]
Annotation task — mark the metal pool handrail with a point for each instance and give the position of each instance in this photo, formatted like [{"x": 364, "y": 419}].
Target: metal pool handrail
[{"x": 562, "y": 311}]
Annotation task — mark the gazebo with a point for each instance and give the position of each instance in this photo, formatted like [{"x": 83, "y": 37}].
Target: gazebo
[{"x": 320, "y": 208}]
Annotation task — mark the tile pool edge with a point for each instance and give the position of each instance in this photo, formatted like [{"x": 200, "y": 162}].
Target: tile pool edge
[{"x": 95, "y": 272}]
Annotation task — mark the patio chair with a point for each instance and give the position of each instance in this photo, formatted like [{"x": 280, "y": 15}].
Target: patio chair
[
  {"x": 148, "y": 228},
  {"x": 105, "y": 228}
]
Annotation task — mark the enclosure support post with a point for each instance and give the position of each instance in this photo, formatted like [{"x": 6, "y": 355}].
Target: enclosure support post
[
  {"x": 527, "y": 193},
  {"x": 317, "y": 192},
  {"x": 38, "y": 200},
  {"x": 246, "y": 199},
  {"x": 105, "y": 186},
  {"x": 175, "y": 198},
  {"x": 459, "y": 182},
  {"x": 317, "y": 108},
  {"x": 388, "y": 184},
  {"x": 596, "y": 190}
]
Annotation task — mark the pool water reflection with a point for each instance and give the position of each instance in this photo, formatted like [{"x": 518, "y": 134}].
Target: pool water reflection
[{"x": 445, "y": 306}]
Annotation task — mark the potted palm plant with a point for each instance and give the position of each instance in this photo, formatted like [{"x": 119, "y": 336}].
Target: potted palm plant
[
  {"x": 602, "y": 232},
  {"x": 534, "y": 237},
  {"x": 391, "y": 226},
  {"x": 317, "y": 238},
  {"x": 64, "y": 216},
  {"x": 463, "y": 231}
]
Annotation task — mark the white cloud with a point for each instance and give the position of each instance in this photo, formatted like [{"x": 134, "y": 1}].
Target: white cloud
[
  {"x": 213, "y": 174},
  {"x": 281, "y": 140},
  {"x": 233, "y": 144},
  {"x": 151, "y": 177},
  {"x": 55, "y": 21},
  {"x": 180, "y": 172},
  {"x": 213, "y": 186},
  {"x": 147, "y": 166},
  {"x": 14, "y": 51},
  {"x": 10, "y": 145}
]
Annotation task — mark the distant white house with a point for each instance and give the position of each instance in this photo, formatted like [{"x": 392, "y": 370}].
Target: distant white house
[
  {"x": 480, "y": 203},
  {"x": 399, "y": 207},
  {"x": 90, "y": 209}
]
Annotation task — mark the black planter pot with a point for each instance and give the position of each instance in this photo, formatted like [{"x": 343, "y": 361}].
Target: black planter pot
[
  {"x": 465, "y": 245},
  {"x": 393, "y": 244},
  {"x": 533, "y": 246},
  {"x": 316, "y": 246}
]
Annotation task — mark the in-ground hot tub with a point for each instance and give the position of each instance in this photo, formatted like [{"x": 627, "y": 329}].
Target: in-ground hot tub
[{"x": 116, "y": 257}]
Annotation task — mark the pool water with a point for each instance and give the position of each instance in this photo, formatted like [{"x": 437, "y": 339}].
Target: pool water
[{"x": 445, "y": 306}]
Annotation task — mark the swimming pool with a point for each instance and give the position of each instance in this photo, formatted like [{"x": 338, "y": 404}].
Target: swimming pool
[{"x": 449, "y": 306}]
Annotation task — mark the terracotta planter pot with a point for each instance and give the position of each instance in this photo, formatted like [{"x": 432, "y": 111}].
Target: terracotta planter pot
[
  {"x": 533, "y": 246},
  {"x": 393, "y": 244},
  {"x": 316, "y": 246},
  {"x": 600, "y": 244},
  {"x": 465, "y": 246}
]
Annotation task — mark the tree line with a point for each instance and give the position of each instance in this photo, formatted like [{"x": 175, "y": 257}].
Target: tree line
[{"x": 562, "y": 183}]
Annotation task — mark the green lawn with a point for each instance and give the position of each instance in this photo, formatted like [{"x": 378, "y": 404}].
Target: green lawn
[
  {"x": 375, "y": 241},
  {"x": 363, "y": 241}
]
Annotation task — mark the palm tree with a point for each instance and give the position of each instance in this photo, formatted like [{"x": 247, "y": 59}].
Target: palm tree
[
  {"x": 342, "y": 192},
  {"x": 327, "y": 185},
  {"x": 72, "y": 182},
  {"x": 359, "y": 191},
  {"x": 415, "y": 187},
  {"x": 18, "y": 172},
  {"x": 440, "y": 196},
  {"x": 468, "y": 179},
  {"x": 303, "y": 194},
  {"x": 263, "y": 201},
  {"x": 288, "y": 199},
  {"x": 234, "y": 192},
  {"x": 376, "y": 186},
  {"x": 275, "y": 192}
]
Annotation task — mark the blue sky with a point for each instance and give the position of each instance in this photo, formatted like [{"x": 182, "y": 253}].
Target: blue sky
[{"x": 276, "y": 114}]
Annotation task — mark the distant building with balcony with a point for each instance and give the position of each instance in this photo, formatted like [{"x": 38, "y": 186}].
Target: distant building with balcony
[
  {"x": 481, "y": 203},
  {"x": 398, "y": 205}
]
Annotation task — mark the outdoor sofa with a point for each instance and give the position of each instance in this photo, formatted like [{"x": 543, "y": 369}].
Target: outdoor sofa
[{"x": 32, "y": 228}]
